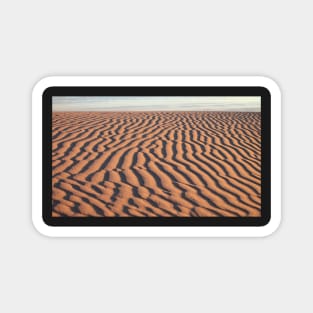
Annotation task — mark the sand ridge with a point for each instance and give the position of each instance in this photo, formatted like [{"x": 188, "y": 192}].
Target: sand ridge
[{"x": 150, "y": 164}]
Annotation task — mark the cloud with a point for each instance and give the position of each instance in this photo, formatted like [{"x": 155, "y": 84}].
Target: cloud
[{"x": 156, "y": 104}]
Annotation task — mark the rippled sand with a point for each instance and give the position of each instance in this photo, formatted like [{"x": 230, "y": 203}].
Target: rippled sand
[{"x": 156, "y": 164}]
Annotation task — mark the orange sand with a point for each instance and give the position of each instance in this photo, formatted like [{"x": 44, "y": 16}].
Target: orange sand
[{"x": 156, "y": 164}]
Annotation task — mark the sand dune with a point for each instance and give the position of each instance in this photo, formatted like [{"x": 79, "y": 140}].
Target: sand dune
[{"x": 156, "y": 164}]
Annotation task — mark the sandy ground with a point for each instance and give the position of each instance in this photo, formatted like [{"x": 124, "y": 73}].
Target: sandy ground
[{"x": 156, "y": 164}]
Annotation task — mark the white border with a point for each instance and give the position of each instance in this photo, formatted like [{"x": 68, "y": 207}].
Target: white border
[{"x": 210, "y": 231}]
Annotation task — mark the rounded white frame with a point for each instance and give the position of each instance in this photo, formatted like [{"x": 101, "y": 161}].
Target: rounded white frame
[{"x": 181, "y": 231}]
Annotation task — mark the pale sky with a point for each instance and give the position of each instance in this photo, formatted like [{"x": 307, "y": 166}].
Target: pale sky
[{"x": 246, "y": 104}]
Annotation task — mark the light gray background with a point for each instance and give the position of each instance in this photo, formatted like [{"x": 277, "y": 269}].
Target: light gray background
[{"x": 40, "y": 38}]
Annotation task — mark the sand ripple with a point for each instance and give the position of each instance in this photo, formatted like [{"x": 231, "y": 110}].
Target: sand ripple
[{"x": 156, "y": 164}]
